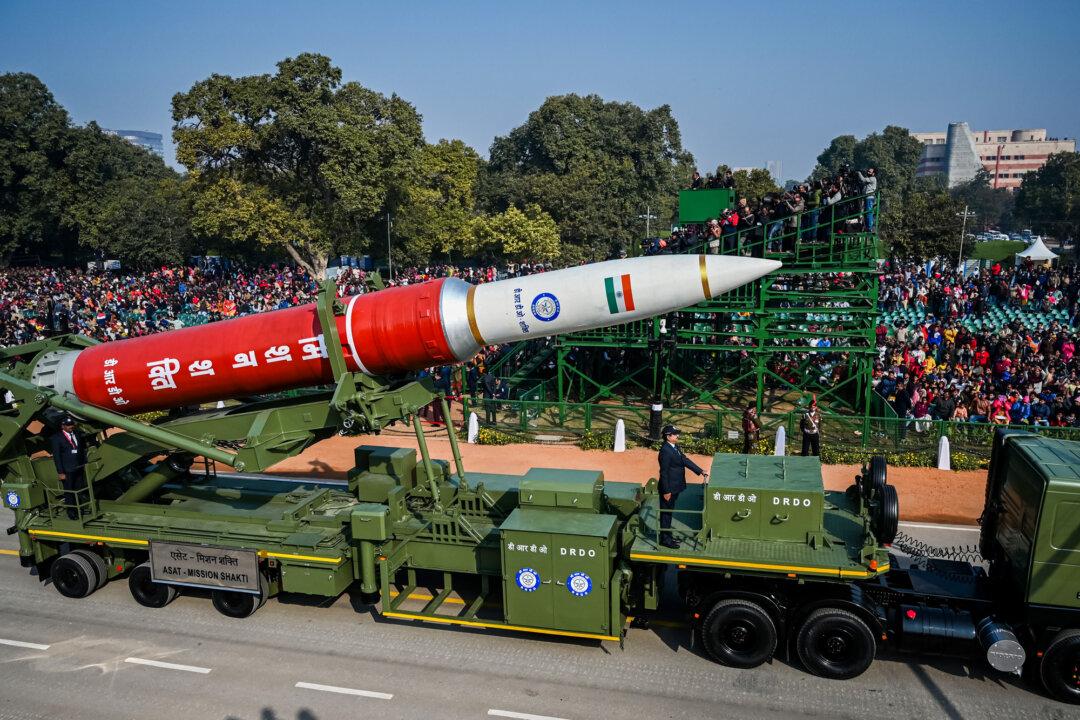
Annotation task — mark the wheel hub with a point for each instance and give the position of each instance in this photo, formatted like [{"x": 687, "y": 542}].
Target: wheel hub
[{"x": 835, "y": 646}]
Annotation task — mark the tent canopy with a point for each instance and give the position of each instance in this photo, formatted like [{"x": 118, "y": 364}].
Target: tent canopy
[{"x": 1037, "y": 252}]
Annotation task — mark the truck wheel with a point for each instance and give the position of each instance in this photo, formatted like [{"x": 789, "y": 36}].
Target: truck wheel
[
  {"x": 147, "y": 592},
  {"x": 100, "y": 569},
  {"x": 1060, "y": 667},
  {"x": 739, "y": 633},
  {"x": 888, "y": 515},
  {"x": 836, "y": 644},
  {"x": 73, "y": 575},
  {"x": 875, "y": 477},
  {"x": 240, "y": 604}
]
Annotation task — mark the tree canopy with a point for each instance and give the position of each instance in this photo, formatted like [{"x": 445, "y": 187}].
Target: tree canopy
[
  {"x": 438, "y": 204},
  {"x": 67, "y": 190},
  {"x": 594, "y": 166},
  {"x": 297, "y": 160},
  {"x": 906, "y": 224},
  {"x": 1047, "y": 200}
]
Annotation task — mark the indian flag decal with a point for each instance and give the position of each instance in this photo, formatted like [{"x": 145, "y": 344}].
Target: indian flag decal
[{"x": 620, "y": 298}]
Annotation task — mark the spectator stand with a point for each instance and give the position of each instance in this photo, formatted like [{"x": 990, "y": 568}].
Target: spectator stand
[{"x": 809, "y": 329}]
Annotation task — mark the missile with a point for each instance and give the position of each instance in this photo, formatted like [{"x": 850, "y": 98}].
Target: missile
[{"x": 389, "y": 332}]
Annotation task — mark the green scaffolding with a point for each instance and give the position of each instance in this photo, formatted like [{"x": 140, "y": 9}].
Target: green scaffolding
[{"x": 808, "y": 330}]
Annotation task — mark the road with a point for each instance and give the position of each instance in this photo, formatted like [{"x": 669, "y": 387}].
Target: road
[{"x": 107, "y": 657}]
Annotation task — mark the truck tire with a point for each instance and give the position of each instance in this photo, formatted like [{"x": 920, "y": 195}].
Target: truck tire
[
  {"x": 888, "y": 515},
  {"x": 147, "y": 592},
  {"x": 74, "y": 575},
  {"x": 240, "y": 604},
  {"x": 876, "y": 476},
  {"x": 739, "y": 633},
  {"x": 1060, "y": 667},
  {"x": 834, "y": 643},
  {"x": 100, "y": 569}
]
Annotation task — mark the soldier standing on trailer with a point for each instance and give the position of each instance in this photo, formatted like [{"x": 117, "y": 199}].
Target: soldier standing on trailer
[
  {"x": 811, "y": 430},
  {"x": 69, "y": 456},
  {"x": 751, "y": 427},
  {"x": 673, "y": 465}
]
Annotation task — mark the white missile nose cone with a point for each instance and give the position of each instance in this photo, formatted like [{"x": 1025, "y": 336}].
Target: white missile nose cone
[{"x": 726, "y": 272}]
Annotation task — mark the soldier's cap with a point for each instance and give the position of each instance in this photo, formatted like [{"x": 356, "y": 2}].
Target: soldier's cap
[
  {"x": 67, "y": 420},
  {"x": 669, "y": 430}
]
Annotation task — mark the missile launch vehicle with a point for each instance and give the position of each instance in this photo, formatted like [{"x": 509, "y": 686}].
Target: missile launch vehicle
[{"x": 769, "y": 562}]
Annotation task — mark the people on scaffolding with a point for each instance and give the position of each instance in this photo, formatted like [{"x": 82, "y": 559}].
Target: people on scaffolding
[{"x": 813, "y": 212}]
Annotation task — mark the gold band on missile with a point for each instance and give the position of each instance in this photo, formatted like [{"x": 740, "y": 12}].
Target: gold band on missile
[
  {"x": 470, "y": 310},
  {"x": 704, "y": 277}
]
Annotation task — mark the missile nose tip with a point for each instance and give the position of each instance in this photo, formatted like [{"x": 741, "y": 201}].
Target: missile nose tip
[{"x": 730, "y": 271}]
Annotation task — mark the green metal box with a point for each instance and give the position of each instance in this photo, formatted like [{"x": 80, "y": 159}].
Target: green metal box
[
  {"x": 564, "y": 489},
  {"x": 379, "y": 469},
  {"x": 697, "y": 206},
  {"x": 764, "y": 497},
  {"x": 326, "y": 581},
  {"x": 23, "y": 496},
  {"x": 557, "y": 569},
  {"x": 369, "y": 522}
]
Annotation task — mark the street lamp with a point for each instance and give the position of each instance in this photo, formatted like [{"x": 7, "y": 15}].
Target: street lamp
[
  {"x": 648, "y": 217},
  {"x": 389, "y": 256},
  {"x": 963, "y": 231}
]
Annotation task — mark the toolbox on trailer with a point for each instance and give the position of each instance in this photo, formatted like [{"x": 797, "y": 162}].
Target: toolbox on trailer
[{"x": 764, "y": 497}]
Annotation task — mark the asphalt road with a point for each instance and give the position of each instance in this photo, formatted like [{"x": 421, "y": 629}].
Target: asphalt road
[{"x": 107, "y": 657}]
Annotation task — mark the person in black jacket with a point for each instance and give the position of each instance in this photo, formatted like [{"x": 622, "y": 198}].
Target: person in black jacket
[
  {"x": 69, "y": 456},
  {"x": 673, "y": 465}
]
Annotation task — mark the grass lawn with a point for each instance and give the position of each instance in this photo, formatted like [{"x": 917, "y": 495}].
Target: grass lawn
[{"x": 998, "y": 250}]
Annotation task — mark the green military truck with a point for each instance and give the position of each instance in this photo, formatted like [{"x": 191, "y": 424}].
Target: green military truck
[{"x": 769, "y": 563}]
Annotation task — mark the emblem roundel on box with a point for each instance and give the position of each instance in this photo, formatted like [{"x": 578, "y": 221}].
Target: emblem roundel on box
[
  {"x": 579, "y": 584},
  {"x": 528, "y": 579}
]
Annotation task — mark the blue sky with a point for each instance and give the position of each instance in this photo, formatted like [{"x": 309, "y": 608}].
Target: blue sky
[{"x": 748, "y": 82}]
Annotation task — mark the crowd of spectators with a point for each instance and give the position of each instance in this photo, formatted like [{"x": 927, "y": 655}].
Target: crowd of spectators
[
  {"x": 944, "y": 366},
  {"x": 807, "y": 213}
]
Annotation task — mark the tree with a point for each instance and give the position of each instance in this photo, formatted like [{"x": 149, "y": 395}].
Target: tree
[
  {"x": 1047, "y": 199},
  {"x": 438, "y": 208},
  {"x": 992, "y": 206},
  {"x": 296, "y": 160},
  {"x": 144, "y": 220},
  {"x": 894, "y": 154},
  {"x": 65, "y": 190},
  {"x": 114, "y": 189},
  {"x": 594, "y": 166},
  {"x": 751, "y": 184},
  {"x": 517, "y": 235},
  {"x": 34, "y": 134},
  {"x": 929, "y": 227},
  {"x": 841, "y": 151}
]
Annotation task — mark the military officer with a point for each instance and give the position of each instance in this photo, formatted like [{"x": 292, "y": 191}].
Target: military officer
[{"x": 673, "y": 465}]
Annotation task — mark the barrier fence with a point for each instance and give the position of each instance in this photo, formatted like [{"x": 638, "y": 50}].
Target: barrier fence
[{"x": 843, "y": 437}]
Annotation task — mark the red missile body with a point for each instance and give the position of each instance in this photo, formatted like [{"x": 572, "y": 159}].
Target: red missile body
[{"x": 390, "y": 331}]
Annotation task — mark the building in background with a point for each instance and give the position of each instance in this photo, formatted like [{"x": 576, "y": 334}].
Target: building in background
[
  {"x": 149, "y": 140},
  {"x": 1007, "y": 155}
]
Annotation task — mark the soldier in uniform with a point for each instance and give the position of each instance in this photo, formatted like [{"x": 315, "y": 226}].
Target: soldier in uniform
[
  {"x": 811, "y": 430},
  {"x": 69, "y": 456},
  {"x": 751, "y": 429},
  {"x": 673, "y": 465}
]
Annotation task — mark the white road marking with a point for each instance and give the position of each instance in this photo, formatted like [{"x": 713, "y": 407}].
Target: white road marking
[
  {"x": 167, "y": 666},
  {"x": 21, "y": 644},
  {"x": 520, "y": 716},
  {"x": 344, "y": 690},
  {"x": 931, "y": 526}
]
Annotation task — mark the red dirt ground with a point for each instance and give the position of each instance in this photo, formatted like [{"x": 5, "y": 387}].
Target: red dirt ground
[{"x": 926, "y": 494}]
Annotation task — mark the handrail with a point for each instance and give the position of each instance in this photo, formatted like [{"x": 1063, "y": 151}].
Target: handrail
[{"x": 799, "y": 234}]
